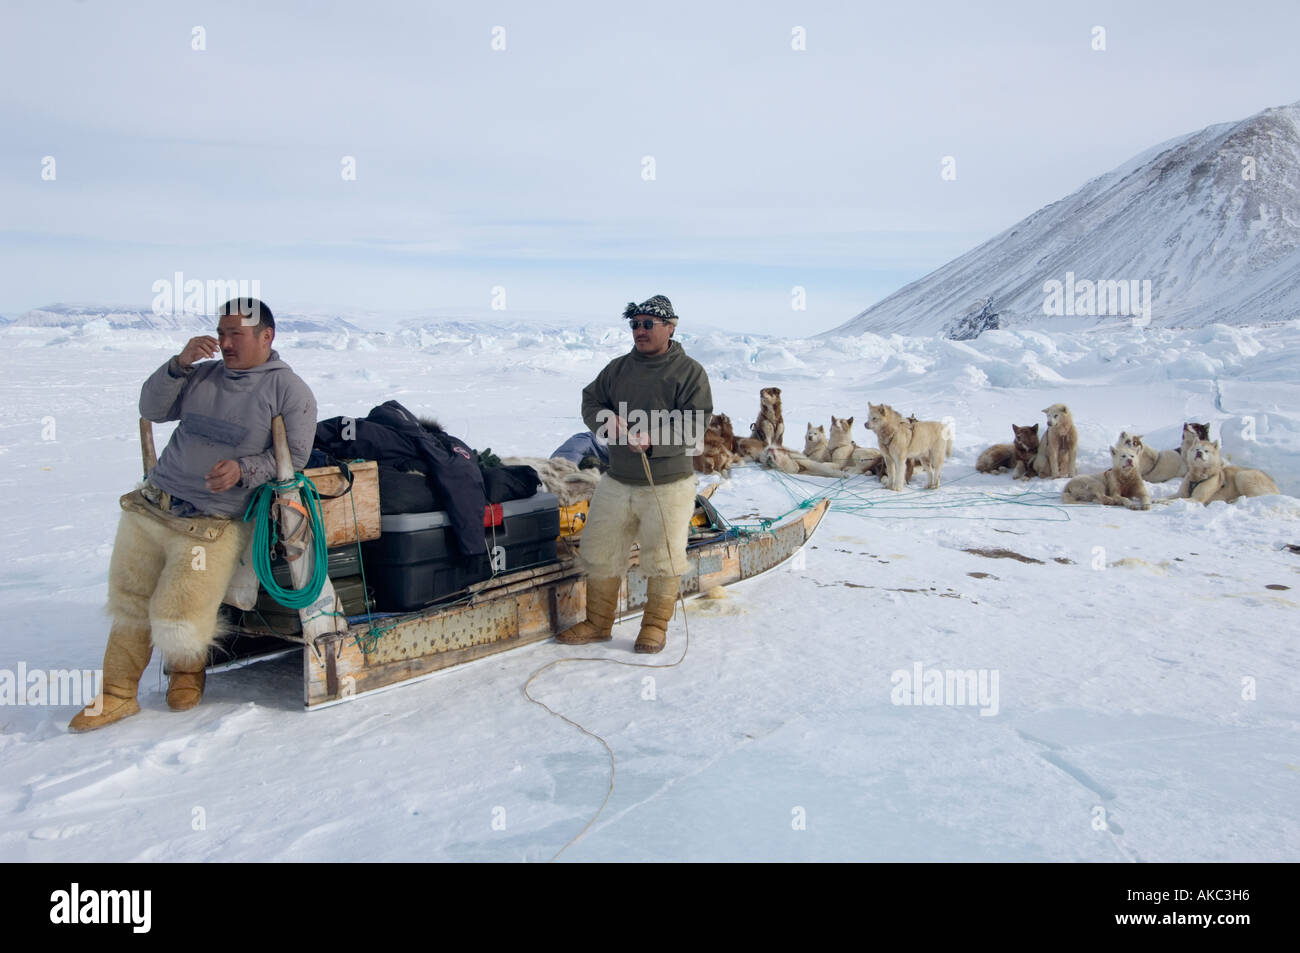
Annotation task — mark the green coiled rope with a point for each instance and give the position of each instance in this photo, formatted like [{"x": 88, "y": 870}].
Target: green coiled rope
[{"x": 266, "y": 533}]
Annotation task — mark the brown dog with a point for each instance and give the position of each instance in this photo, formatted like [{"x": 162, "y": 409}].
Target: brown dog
[
  {"x": 719, "y": 452},
  {"x": 1026, "y": 451},
  {"x": 770, "y": 426}
]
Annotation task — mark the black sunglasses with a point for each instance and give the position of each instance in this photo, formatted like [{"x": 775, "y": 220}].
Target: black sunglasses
[{"x": 645, "y": 325}]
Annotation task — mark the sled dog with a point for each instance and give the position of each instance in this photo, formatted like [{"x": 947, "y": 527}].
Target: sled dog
[
  {"x": 770, "y": 426},
  {"x": 1026, "y": 449},
  {"x": 814, "y": 443},
  {"x": 1157, "y": 466},
  {"x": 1058, "y": 446},
  {"x": 995, "y": 459},
  {"x": 925, "y": 441},
  {"x": 792, "y": 461},
  {"x": 1121, "y": 485},
  {"x": 844, "y": 453},
  {"x": 719, "y": 453},
  {"x": 1209, "y": 478}
]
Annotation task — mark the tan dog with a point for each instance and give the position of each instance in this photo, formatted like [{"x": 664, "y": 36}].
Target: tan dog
[
  {"x": 719, "y": 453},
  {"x": 814, "y": 443},
  {"x": 770, "y": 426},
  {"x": 792, "y": 461},
  {"x": 1121, "y": 485},
  {"x": 749, "y": 448},
  {"x": 1026, "y": 450},
  {"x": 844, "y": 453},
  {"x": 1209, "y": 478},
  {"x": 1059, "y": 445},
  {"x": 903, "y": 440},
  {"x": 1192, "y": 434},
  {"x": 1157, "y": 465}
]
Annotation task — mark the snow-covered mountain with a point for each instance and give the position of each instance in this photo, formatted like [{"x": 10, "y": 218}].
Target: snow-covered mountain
[{"x": 1211, "y": 220}]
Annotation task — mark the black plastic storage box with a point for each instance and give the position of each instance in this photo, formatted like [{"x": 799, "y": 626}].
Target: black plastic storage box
[{"x": 415, "y": 561}]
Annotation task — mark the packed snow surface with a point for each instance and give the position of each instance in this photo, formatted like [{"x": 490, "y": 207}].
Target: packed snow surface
[{"x": 1140, "y": 666}]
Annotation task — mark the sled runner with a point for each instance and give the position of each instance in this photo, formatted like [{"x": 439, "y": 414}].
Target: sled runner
[{"x": 358, "y": 653}]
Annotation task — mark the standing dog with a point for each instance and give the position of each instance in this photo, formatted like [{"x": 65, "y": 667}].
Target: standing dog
[
  {"x": 1059, "y": 445},
  {"x": 1209, "y": 478},
  {"x": 902, "y": 440},
  {"x": 1121, "y": 485},
  {"x": 770, "y": 426}
]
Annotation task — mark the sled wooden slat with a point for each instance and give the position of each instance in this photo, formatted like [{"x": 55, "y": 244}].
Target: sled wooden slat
[
  {"x": 342, "y": 523},
  {"x": 520, "y": 609}
]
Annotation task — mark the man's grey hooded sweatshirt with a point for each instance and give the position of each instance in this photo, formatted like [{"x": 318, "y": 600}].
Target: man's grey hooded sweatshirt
[{"x": 226, "y": 415}]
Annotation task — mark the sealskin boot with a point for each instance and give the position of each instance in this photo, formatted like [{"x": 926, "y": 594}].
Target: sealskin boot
[
  {"x": 602, "y": 607},
  {"x": 185, "y": 687},
  {"x": 125, "y": 659},
  {"x": 660, "y": 597}
]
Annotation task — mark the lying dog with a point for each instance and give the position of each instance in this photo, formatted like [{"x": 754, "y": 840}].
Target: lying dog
[
  {"x": 1209, "y": 478},
  {"x": 1157, "y": 465},
  {"x": 770, "y": 426},
  {"x": 1000, "y": 456},
  {"x": 749, "y": 448},
  {"x": 903, "y": 440},
  {"x": 1059, "y": 445},
  {"x": 719, "y": 453},
  {"x": 1026, "y": 450},
  {"x": 792, "y": 461},
  {"x": 1121, "y": 485}
]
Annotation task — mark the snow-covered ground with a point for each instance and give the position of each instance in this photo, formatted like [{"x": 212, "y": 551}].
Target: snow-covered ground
[{"x": 1145, "y": 663}]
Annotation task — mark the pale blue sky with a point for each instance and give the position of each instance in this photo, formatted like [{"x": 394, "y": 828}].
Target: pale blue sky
[{"x": 522, "y": 167}]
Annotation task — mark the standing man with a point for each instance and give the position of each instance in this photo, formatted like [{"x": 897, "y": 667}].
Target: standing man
[
  {"x": 653, "y": 403},
  {"x": 181, "y": 535}
]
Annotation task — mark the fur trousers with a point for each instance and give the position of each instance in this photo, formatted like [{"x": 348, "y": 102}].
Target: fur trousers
[
  {"x": 172, "y": 584},
  {"x": 623, "y": 512}
]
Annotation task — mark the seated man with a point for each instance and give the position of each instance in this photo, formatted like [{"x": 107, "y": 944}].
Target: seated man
[{"x": 181, "y": 535}]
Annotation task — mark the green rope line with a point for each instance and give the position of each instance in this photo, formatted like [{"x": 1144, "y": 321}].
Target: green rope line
[
  {"x": 862, "y": 495},
  {"x": 266, "y": 533}
]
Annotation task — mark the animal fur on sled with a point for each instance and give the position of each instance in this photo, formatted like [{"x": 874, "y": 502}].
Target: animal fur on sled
[{"x": 561, "y": 477}]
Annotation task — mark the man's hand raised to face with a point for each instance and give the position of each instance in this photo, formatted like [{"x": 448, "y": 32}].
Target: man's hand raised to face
[{"x": 198, "y": 349}]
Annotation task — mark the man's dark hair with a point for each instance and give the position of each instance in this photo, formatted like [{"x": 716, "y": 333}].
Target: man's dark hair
[{"x": 249, "y": 308}]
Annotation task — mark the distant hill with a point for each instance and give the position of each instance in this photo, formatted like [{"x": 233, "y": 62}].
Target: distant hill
[
  {"x": 1211, "y": 220},
  {"x": 139, "y": 319}
]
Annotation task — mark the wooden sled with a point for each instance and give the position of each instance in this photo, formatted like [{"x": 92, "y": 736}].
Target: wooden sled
[{"x": 510, "y": 610}]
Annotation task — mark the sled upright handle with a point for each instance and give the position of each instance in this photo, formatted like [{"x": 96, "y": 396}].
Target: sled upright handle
[
  {"x": 147, "y": 452},
  {"x": 280, "y": 441}
]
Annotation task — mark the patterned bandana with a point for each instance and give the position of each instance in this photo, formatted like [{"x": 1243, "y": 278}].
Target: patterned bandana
[{"x": 658, "y": 306}]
